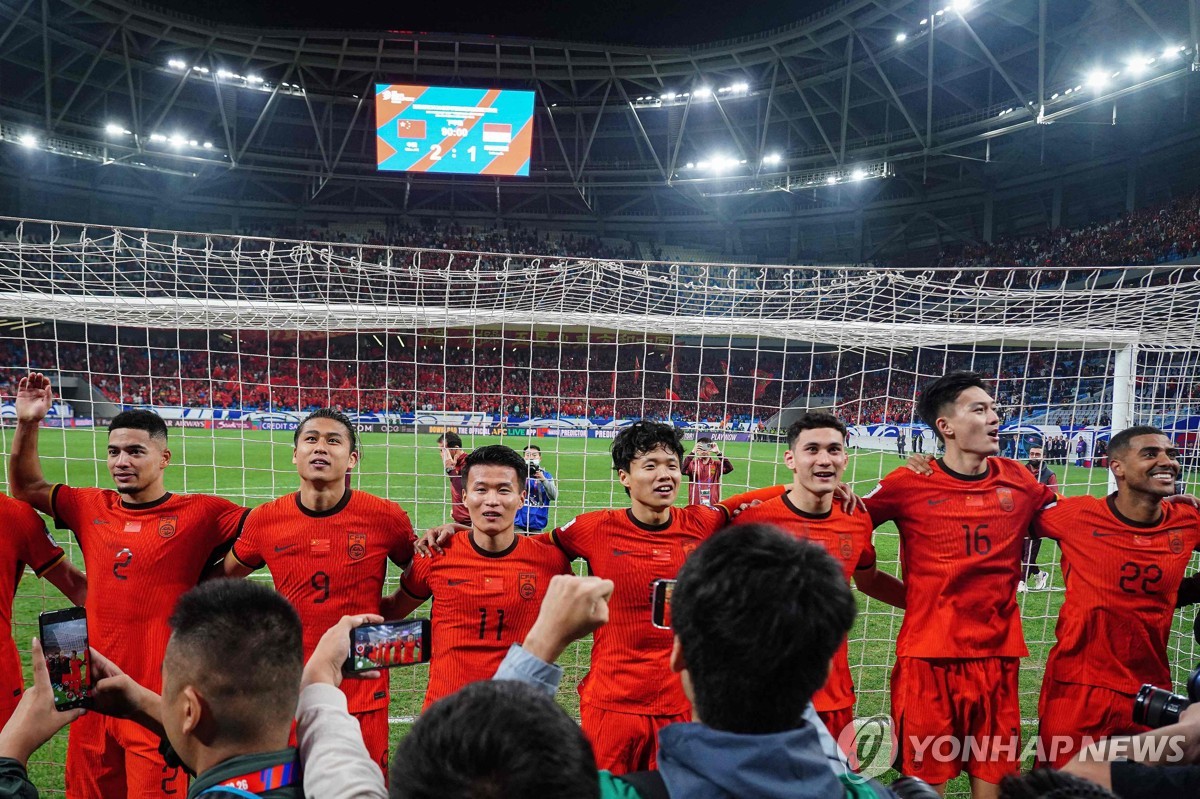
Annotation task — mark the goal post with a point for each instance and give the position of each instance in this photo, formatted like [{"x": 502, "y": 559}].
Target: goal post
[{"x": 232, "y": 339}]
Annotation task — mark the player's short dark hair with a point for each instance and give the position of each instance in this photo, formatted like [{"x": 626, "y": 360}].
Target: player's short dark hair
[
  {"x": 240, "y": 643},
  {"x": 704, "y": 440},
  {"x": 759, "y": 614},
  {"x": 1119, "y": 443},
  {"x": 814, "y": 420},
  {"x": 329, "y": 413},
  {"x": 1044, "y": 782},
  {"x": 451, "y": 440},
  {"x": 498, "y": 455},
  {"x": 533, "y": 446},
  {"x": 494, "y": 739},
  {"x": 644, "y": 436},
  {"x": 935, "y": 396},
  {"x": 140, "y": 419}
]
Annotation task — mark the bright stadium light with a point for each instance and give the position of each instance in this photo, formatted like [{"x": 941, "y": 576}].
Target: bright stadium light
[
  {"x": 28, "y": 140},
  {"x": 254, "y": 79},
  {"x": 858, "y": 174},
  {"x": 175, "y": 63},
  {"x": 1138, "y": 64},
  {"x": 772, "y": 159},
  {"x": 703, "y": 92},
  {"x": 832, "y": 179},
  {"x": 207, "y": 145},
  {"x": 176, "y": 140},
  {"x": 1097, "y": 79},
  {"x": 157, "y": 137},
  {"x": 741, "y": 88},
  {"x": 901, "y": 37},
  {"x": 961, "y": 6},
  {"x": 113, "y": 129}
]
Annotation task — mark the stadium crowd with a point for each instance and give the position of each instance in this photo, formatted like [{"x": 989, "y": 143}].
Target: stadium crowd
[
  {"x": 386, "y": 373},
  {"x": 730, "y": 679}
]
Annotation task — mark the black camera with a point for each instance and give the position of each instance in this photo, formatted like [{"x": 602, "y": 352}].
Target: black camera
[
  {"x": 1156, "y": 707},
  {"x": 534, "y": 468}
]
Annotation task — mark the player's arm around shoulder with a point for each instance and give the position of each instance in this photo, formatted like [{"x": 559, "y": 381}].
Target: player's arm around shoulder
[
  {"x": 245, "y": 555},
  {"x": 873, "y": 582},
  {"x": 414, "y": 589}
]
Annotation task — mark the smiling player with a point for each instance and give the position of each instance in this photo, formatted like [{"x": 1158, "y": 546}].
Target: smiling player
[
  {"x": 817, "y": 458},
  {"x": 1123, "y": 559},
  {"x": 327, "y": 548}
]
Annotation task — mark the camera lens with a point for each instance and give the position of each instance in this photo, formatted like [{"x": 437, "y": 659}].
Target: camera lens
[{"x": 1154, "y": 707}]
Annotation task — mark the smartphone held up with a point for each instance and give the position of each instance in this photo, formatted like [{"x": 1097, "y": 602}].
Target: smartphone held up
[
  {"x": 68, "y": 660},
  {"x": 388, "y": 644}
]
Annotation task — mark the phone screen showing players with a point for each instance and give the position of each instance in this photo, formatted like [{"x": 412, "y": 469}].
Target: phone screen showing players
[
  {"x": 65, "y": 645},
  {"x": 389, "y": 644}
]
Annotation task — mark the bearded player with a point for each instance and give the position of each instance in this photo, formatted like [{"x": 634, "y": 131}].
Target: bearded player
[
  {"x": 143, "y": 547},
  {"x": 1123, "y": 560},
  {"x": 26, "y": 542},
  {"x": 817, "y": 458},
  {"x": 488, "y": 584},
  {"x": 327, "y": 548},
  {"x": 960, "y": 644}
]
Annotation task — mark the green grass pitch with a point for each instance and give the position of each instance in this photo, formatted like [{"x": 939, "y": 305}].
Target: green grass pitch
[{"x": 251, "y": 467}]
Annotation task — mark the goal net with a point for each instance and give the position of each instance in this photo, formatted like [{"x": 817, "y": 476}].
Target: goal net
[{"x": 232, "y": 339}]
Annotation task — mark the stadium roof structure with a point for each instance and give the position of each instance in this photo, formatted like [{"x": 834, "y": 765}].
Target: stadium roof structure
[{"x": 868, "y": 107}]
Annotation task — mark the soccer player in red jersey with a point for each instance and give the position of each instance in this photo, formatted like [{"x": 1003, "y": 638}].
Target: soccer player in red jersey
[
  {"x": 143, "y": 547},
  {"x": 489, "y": 582},
  {"x": 1123, "y": 559},
  {"x": 327, "y": 548},
  {"x": 27, "y": 543},
  {"x": 817, "y": 458},
  {"x": 961, "y": 534},
  {"x": 454, "y": 461},
  {"x": 629, "y": 692},
  {"x": 704, "y": 468},
  {"x": 409, "y": 653}
]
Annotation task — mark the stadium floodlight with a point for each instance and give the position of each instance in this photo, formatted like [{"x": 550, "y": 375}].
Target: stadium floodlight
[
  {"x": 208, "y": 145},
  {"x": 703, "y": 92},
  {"x": 1138, "y": 64},
  {"x": 771, "y": 159},
  {"x": 668, "y": 97},
  {"x": 253, "y": 79},
  {"x": 961, "y": 6},
  {"x": 701, "y": 165},
  {"x": 28, "y": 140},
  {"x": 1054, "y": 96},
  {"x": 157, "y": 137},
  {"x": 741, "y": 87},
  {"x": 113, "y": 129},
  {"x": 901, "y": 37},
  {"x": 689, "y": 165},
  {"x": 941, "y": 12},
  {"x": 175, "y": 63},
  {"x": 858, "y": 174},
  {"x": 832, "y": 179},
  {"x": 925, "y": 22},
  {"x": 1097, "y": 79},
  {"x": 176, "y": 140}
]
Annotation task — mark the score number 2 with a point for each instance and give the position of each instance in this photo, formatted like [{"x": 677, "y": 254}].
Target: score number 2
[{"x": 436, "y": 154}]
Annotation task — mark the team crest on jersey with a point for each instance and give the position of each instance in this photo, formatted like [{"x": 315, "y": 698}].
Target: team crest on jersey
[
  {"x": 1005, "y": 495},
  {"x": 846, "y": 545},
  {"x": 528, "y": 585},
  {"x": 356, "y": 545},
  {"x": 1175, "y": 539},
  {"x": 167, "y": 525}
]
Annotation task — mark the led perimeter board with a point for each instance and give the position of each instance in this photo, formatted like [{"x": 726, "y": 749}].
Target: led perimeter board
[{"x": 453, "y": 130}]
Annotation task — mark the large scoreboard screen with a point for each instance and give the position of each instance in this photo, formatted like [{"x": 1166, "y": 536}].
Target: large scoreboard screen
[{"x": 453, "y": 130}]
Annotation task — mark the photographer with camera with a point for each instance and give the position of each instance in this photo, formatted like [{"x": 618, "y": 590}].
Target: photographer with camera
[
  {"x": 704, "y": 468},
  {"x": 540, "y": 491}
]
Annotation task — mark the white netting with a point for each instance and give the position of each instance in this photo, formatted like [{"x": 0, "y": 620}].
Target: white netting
[{"x": 234, "y": 338}]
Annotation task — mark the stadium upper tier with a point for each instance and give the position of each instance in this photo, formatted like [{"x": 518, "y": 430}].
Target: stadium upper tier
[{"x": 602, "y": 381}]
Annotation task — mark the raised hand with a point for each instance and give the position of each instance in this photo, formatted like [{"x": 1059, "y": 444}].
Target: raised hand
[{"x": 35, "y": 398}]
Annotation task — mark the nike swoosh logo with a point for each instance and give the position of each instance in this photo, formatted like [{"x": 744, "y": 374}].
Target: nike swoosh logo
[
  {"x": 621, "y": 552},
  {"x": 456, "y": 582},
  {"x": 284, "y": 548},
  {"x": 939, "y": 501},
  {"x": 1099, "y": 534}
]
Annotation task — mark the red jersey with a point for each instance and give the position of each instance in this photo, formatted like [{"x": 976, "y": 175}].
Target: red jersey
[
  {"x": 139, "y": 560},
  {"x": 848, "y": 539},
  {"x": 330, "y": 564},
  {"x": 458, "y": 509},
  {"x": 960, "y": 551},
  {"x": 406, "y": 655},
  {"x": 631, "y": 671},
  {"x": 483, "y": 602},
  {"x": 1121, "y": 578},
  {"x": 26, "y": 543},
  {"x": 704, "y": 487}
]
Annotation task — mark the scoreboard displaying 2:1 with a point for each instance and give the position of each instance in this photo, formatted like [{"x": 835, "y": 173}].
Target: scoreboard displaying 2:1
[{"x": 453, "y": 130}]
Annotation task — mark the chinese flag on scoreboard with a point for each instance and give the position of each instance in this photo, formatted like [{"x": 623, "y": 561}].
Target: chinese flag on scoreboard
[{"x": 410, "y": 128}]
